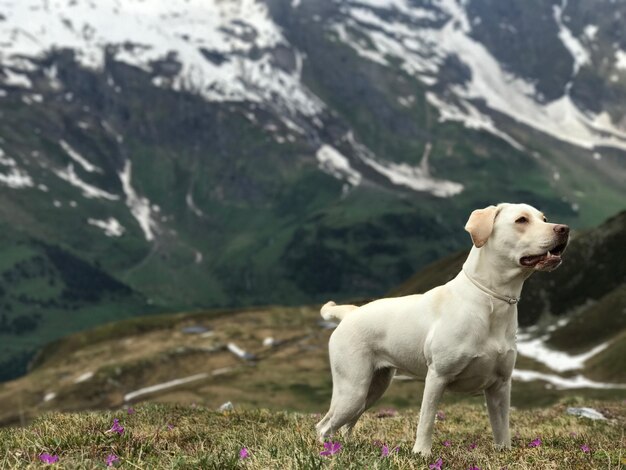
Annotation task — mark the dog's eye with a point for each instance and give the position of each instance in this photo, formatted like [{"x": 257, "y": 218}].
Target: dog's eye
[
  {"x": 521, "y": 220},
  {"x": 545, "y": 219}
]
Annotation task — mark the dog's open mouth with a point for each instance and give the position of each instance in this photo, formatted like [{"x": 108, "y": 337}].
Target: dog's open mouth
[{"x": 550, "y": 257}]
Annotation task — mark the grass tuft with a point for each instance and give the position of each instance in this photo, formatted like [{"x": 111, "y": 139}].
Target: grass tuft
[{"x": 177, "y": 437}]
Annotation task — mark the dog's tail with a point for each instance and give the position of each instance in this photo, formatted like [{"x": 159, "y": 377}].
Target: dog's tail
[{"x": 333, "y": 312}]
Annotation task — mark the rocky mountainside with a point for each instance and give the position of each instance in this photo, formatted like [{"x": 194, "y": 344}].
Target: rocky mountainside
[{"x": 192, "y": 153}]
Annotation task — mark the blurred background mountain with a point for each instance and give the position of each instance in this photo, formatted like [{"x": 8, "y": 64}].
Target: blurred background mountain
[{"x": 191, "y": 154}]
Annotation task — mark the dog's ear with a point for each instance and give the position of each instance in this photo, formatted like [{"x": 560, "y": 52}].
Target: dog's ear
[{"x": 480, "y": 225}]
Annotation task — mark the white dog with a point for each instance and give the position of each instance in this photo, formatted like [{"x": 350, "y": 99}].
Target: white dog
[{"x": 459, "y": 336}]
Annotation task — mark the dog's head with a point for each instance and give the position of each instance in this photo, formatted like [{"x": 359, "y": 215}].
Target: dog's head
[{"x": 520, "y": 234}]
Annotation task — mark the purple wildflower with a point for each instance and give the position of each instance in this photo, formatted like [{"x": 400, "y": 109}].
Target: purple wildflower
[
  {"x": 535, "y": 443},
  {"x": 170, "y": 426},
  {"x": 111, "y": 460},
  {"x": 474, "y": 467},
  {"x": 447, "y": 443},
  {"x": 585, "y": 448},
  {"x": 437, "y": 465},
  {"x": 331, "y": 448},
  {"x": 117, "y": 427},
  {"x": 440, "y": 415},
  {"x": 472, "y": 446},
  {"x": 384, "y": 451},
  {"x": 244, "y": 453},
  {"x": 130, "y": 411},
  {"x": 48, "y": 458}
]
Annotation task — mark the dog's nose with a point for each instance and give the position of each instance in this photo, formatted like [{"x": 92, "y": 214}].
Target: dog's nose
[{"x": 561, "y": 229}]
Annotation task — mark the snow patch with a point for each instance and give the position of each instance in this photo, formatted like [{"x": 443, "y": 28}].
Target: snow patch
[
  {"x": 78, "y": 158},
  {"x": 83, "y": 377},
  {"x": 240, "y": 353},
  {"x": 562, "y": 383},
  {"x": 164, "y": 386},
  {"x": 402, "y": 174},
  {"x": 571, "y": 43},
  {"x": 139, "y": 206},
  {"x": 16, "y": 179},
  {"x": 414, "y": 178},
  {"x": 590, "y": 31},
  {"x": 620, "y": 59},
  {"x": 559, "y": 361},
  {"x": 470, "y": 117},
  {"x": 337, "y": 165},
  {"x": 18, "y": 80},
  {"x": 192, "y": 205},
  {"x": 90, "y": 192},
  {"x": 110, "y": 226}
]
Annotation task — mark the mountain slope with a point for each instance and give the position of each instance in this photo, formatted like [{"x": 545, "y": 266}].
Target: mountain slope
[{"x": 211, "y": 153}]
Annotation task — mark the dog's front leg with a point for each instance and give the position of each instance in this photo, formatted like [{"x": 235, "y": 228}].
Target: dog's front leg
[
  {"x": 433, "y": 390},
  {"x": 498, "y": 399}
]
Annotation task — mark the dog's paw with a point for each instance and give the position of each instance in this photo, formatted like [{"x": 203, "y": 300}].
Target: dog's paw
[
  {"x": 502, "y": 447},
  {"x": 423, "y": 451}
]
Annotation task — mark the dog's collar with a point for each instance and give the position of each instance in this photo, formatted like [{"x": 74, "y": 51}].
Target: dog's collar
[{"x": 486, "y": 290}]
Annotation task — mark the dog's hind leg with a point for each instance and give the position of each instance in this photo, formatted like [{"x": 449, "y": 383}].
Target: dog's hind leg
[
  {"x": 351, "y": 385},
  {"x": 378, "y": 386},
  {"x": 319, "y": 427}
]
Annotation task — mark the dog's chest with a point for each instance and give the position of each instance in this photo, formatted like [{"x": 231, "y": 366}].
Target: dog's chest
[{"x": 492, "y": 362}]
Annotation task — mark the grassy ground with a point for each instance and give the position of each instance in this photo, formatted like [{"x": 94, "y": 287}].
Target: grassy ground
[{"x": 165, "y": 436}]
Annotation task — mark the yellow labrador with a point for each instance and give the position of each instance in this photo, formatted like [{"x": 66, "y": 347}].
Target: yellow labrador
[{"x": 459, "y": 336}]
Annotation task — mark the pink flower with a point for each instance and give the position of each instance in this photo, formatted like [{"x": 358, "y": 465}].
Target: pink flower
[
  {"x": 244, "y": 453},
  {"x": 130, "y": 411},
  {"x": 117, "y": 427},
  {"x": 170, "y": 427},
  {"x": 111, "y": 460},
  {"x": 437, "y": 465},
  {"x": 472, "y": 446},
  {"x": 384, "y": 451},
  {"x": 585, "y": 448},
  {"x": 535, "y": 443},
  {"x": 48, "y": 458},
  {"x": 447, "y": 443},
  {"x": 440, "y": 415},
  {"x": 331, "y": 448}
]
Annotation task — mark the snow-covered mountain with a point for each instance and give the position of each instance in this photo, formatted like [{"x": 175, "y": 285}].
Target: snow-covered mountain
[{"x": 227, "y": 152}]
